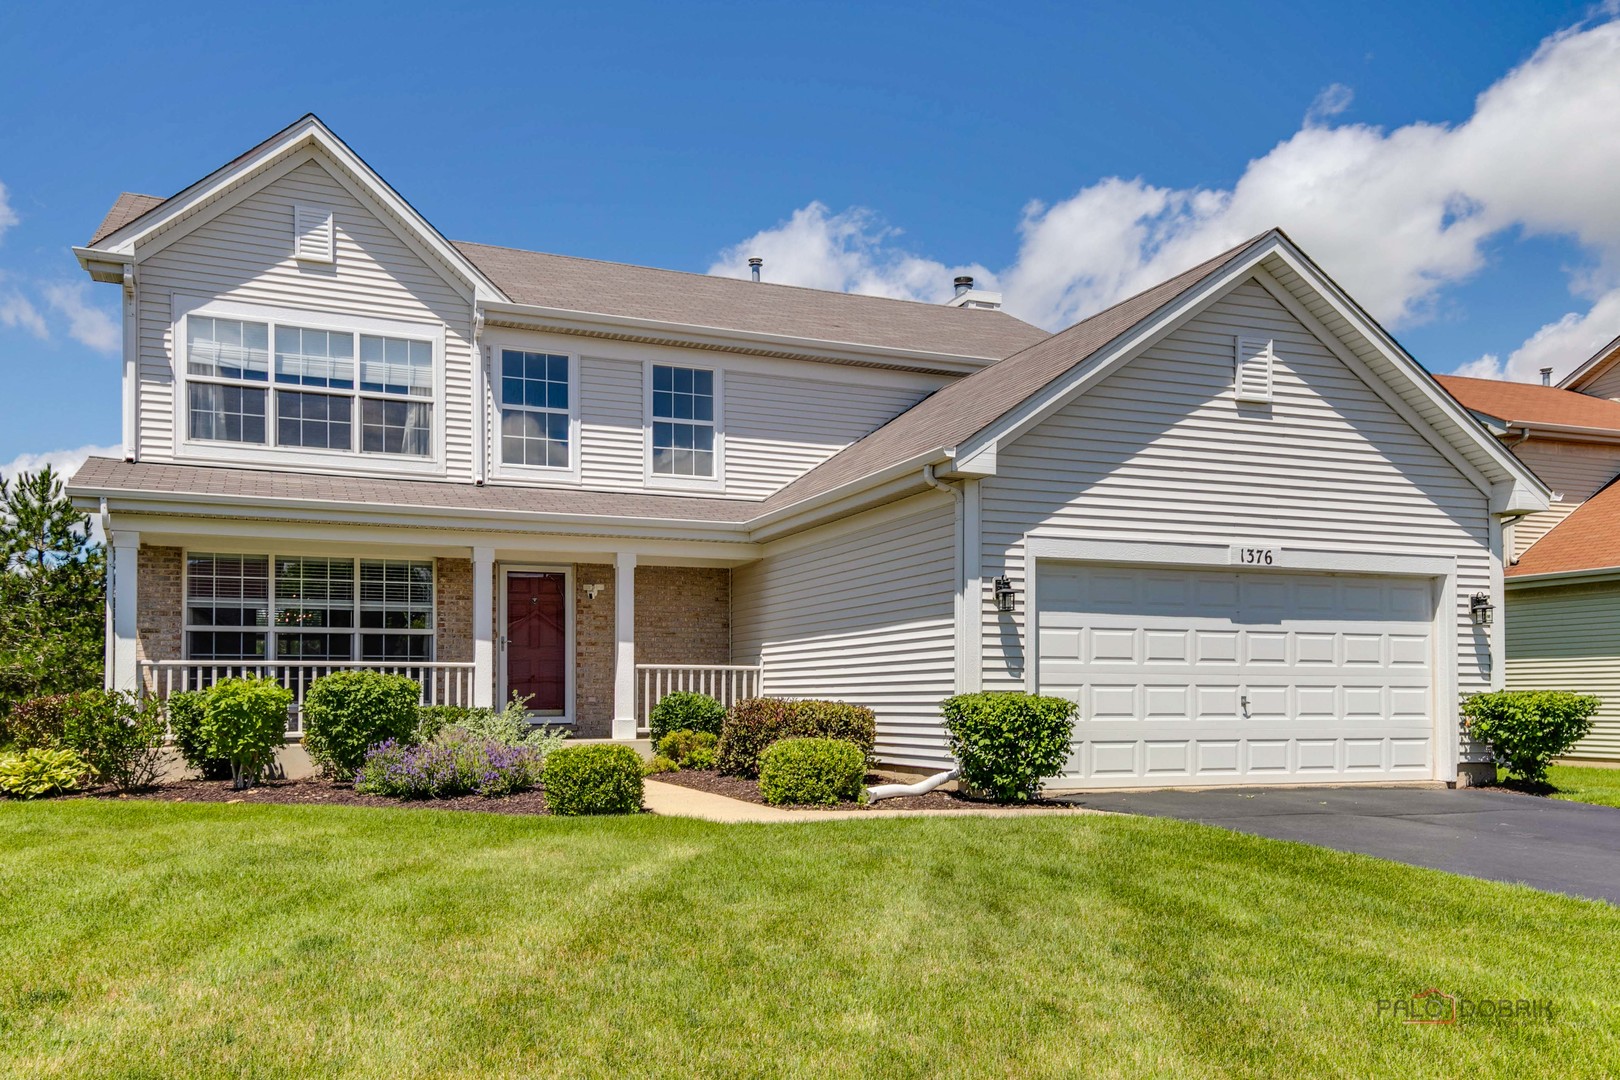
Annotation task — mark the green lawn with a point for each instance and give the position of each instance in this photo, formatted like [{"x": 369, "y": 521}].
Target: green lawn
[
  {"x": 1585, "y": 784},
  {"x": 148, "y": 939}
]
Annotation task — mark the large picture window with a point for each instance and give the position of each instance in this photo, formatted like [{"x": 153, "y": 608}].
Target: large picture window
[
  {"x": 683, "y": 429},
  {"x": 318, "y": 389},
  {"x": 256, "y": 608},
  {"x": 535, "y": 417}
]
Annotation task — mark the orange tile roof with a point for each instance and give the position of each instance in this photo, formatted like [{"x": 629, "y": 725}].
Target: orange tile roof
[
  {"x": 1588, "y": 539},
  {"x": 1513, "y": 402}
]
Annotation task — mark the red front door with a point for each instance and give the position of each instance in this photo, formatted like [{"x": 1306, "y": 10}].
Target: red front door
[{"x": 537, "y": 640}]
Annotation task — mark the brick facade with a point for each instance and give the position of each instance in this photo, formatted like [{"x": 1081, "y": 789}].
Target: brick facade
[
  {"x": 453, "y": 603},
  {"x": 593, "y": 652},
  {"x": 159, "y": 604}
]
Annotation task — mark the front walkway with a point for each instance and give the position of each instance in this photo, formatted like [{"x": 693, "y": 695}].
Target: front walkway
[
  {"x": 1563, "y": 847},
  {"x": 672, "y": 800}
]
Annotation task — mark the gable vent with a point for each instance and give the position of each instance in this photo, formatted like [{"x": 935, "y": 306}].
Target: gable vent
[
  {"x": 313, "y": 239},
  {"x": 1253, "y": 376}
]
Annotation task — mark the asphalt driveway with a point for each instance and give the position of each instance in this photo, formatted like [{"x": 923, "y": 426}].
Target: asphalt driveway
[{"x": 1559, "y": 846}]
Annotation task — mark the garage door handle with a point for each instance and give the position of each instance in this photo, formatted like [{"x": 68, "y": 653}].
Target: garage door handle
[{"x": 1244, "y": 701}]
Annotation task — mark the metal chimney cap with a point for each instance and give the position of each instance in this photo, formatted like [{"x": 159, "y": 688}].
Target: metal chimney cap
[
  {"x": 754, "y": 264},
  {"x": 963, "y": 284},
  {"x": 1546, "y": 376}
]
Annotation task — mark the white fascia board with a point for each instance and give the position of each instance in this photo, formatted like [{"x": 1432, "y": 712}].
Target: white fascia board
[
  {"x": 374, "y": 514},
  {"x": 307, "y": 130},
  {"x": 565, "y": 320},
  {"x": 1598, "y": 575},
  {"x": 1584, "y": 434},
  {"x": 1595, "y": 365}
]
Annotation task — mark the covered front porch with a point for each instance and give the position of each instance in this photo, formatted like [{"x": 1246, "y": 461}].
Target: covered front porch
[{"x": 591, "y": 639}]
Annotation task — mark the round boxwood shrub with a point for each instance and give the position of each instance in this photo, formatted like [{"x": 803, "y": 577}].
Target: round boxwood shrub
[
  {"x": 598, "y": 779},
  {"x": 346, "y": 713},
  {"x": 1526, "y": 729},
  {"x": 684, "y": 711},
  {"x": 807, "y": 771},
  {"x": 1007, "y": 743},
  {"x": 187, "y": 711}
]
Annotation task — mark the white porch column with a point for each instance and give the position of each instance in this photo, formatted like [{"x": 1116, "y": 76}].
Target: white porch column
[
  {"x": 126, "y": 550},
  {"x": 624, "y": 646},
  {"x": 483, "y": 628}
]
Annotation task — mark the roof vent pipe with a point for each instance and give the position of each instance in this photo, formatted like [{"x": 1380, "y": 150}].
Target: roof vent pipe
[
  {"x": 963, "y": 284},
  {"x": 1546, "y": 376},
  {"x": 754, "y": 265}
]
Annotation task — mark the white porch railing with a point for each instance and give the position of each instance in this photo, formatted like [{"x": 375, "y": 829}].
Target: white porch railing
[
  {"x": 442, "y": 684},
  {"x": 726, "y": 683}
]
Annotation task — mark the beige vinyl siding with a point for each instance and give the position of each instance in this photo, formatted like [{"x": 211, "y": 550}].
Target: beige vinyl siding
[
  {"x": 245, "y": 254},
  {"x": 612, "y": 439},
  {"x": 779, "y": 427},
  {"x": 861, "y": 611},
  {"x": 1574, "y": 471},
  {"x": 1606, "y": 385},
  {"x": 1160, "y": 451},
  {"x": 1532, "y": 527},
  {"x": 1568, "y": 638}
]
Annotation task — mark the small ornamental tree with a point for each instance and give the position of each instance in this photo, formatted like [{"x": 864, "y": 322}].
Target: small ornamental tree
[
  {"x": 1526, "y": 729},
  {"x": 52, "y": 588},
  {"x": 1007, "y": 743},
  {"x": 244, "y": 721}
]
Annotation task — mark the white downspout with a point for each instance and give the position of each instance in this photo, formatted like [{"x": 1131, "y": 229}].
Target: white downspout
[{"x": 109, "y": 643}]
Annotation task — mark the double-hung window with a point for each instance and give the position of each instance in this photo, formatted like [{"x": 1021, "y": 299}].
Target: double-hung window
[
  {"x": 318, "y": 388},
  {"x": 683, "y": 424},
  {"x": 285, "y": 608},
  {"x": 535, "y": 409}
]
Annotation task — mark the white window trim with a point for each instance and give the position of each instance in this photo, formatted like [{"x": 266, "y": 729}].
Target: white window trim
[
  {"x": 270, "y": 631},
  {"x": 570, "y": 604},
  {"x": 499, "y": 468},
  {"x": 683, "y": 483},
  {"x": 350, "y": 461}
]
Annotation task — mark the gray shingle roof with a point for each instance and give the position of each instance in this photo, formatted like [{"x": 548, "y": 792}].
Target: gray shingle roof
[
  {"x": 128, "y": 207},
  {"x": 641, "y": 292}
]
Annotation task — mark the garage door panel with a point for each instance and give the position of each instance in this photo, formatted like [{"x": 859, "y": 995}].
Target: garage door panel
[{"x": 1196, "y": 676}]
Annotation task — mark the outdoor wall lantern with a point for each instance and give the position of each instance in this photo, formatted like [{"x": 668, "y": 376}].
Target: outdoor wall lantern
[
  {"x": 1481, "y": 610},
  {"x": 1004, "y": 594}
]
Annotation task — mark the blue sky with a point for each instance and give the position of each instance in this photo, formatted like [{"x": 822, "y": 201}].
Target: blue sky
[{"x": 857, "y": 146}]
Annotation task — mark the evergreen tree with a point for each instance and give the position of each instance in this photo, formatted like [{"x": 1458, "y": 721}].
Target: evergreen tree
[{"x": 53, "y": 582}]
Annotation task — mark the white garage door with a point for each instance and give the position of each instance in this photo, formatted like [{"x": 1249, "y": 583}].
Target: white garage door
[{"x": 1239, "y": 677}]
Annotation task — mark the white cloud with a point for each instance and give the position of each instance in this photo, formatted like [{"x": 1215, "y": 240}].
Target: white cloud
[
  {"x": 65, "y": 462},
  {"x": 17, "y": 311},
  {"x": 87, "y": 324},
  {"x": 1396, "y": 216},
  {"x": 8, "y": 216},
  {"x": 1334, "y": 99}
]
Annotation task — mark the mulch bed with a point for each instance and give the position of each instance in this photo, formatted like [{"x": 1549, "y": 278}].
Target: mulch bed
[
  {"x": 314, "y": 791},
  {"x": 737, "y": 787}
]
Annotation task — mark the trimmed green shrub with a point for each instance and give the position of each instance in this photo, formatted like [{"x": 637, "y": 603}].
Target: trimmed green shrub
[
  {"x": 187, "y": 710},
  {"x": 35, "y": 722},
  {"x": 244, "y": 721},
  {"x": 807, "y": 771},
  {"x": 680, "y": 746},
  {"x": 41, "y": 770},
  {"x": 702, "y": 757},
  {"x": 119, "y": 734},
  {"x": 597, "y": 779},
  {"x": 346, "y": 713},
  {"x": 682, "y": 711},
  {"x": 1526, "y": 729},
  {"x": 659, "y": 764},
  {"x": 750, "y": 727},
  {"x": 1007, "y": 743},
  {"x": 754, "y": 724}
]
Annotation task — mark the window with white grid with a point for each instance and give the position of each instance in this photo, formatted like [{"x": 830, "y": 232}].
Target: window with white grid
[
  {"x": 535, "y": 418},
  {"x": 227, "y": 607},
  {"x": 683, "y": 427},
  {"x": 396, "y": 610}
]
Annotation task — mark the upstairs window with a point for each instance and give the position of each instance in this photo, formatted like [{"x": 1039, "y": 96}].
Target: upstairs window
[
  {"x": 535, "y": 409},
  {"x": 683, "y": 428},
  {"x": 320, "y": 389}
]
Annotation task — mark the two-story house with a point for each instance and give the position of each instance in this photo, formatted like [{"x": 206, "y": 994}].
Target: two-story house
[
  {"x": 1563, "y": 576},
  {"x": 1228, "y": 516}
]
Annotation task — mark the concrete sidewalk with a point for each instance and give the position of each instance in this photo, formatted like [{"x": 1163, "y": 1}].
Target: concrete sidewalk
[{"x": 672, "y": 800}]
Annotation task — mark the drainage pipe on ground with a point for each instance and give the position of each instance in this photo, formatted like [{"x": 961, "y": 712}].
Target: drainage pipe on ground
[{"x": 921, "y": 787}]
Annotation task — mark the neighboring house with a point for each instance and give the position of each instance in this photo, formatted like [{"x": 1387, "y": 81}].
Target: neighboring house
[
  {"x": 1228, "y": 516},
  {"x": 1563, "y": 582}
]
